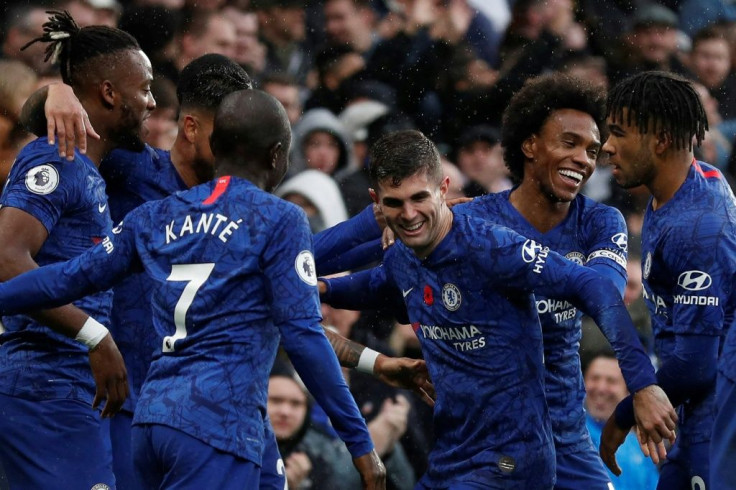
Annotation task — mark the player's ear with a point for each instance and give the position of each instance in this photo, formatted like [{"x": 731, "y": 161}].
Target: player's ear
[
  {"x": 107, "y": 94},
  {"x": 663, "y": 142},
  {"x": 373, "y": 194},
  {"x": 275, "y": 153},
  {"x": 529, "y": 146},
  {"x": 444, "y": 186},
  {"x": 190, "y": 126}
]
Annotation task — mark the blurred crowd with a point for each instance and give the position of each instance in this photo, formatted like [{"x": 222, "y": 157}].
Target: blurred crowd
[{"x": 348, "y": 72}]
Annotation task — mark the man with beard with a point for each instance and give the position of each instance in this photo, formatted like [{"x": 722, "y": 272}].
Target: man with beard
[
  {"x": 134, "y": 177},
  {"x": 200, "y": 418},
  {"x": 46, "y": 386}
]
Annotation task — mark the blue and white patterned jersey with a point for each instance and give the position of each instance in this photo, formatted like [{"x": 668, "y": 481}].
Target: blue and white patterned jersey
[
  {"x": 689, "y": 272},
  {"x": 233, "y": 275},
  {"x": 471, "y": 305},
  {"x": 69, "y": 199},
  {"x": 133, "y": 178},
  {"x": 591, "y": 234}
]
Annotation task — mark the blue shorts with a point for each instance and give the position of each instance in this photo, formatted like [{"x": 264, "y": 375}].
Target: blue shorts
[
  {"x": 723, "y": 441},
  {"x": 60, "y": 444},
  {"x": 122, "y": 456},
  {"x": 168, "y": 458},
  {"x": 582, "y": 469},
  {"x": 686, "y": 468},
  {"x": 536, "y": 471}
]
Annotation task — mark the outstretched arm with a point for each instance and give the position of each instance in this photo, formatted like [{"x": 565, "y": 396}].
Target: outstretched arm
[
  {"x": 399, "y": 372},
  {"x": 296, "y": 313},
  {"x": 554, "y": 276},
  {"x": 335, "y": 248}
]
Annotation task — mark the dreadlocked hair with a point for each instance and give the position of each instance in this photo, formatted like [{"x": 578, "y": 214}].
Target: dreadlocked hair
[
  {"x": 660, "y": 101},
  {"x": 70, "y": 46}
]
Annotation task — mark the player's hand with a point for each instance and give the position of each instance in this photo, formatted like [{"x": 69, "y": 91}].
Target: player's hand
[
  {"x": 458, "y": 200},
  {"x": 67, "y": 120},
  {"x": 612, "y": 437},
  {"x": 372, "y": 472},
  {"x": 111, "y": 378},
  {"x": 655, "y": 416},
  {"x": 402, "y": 372},
  {"x": 657, "y": 452}
]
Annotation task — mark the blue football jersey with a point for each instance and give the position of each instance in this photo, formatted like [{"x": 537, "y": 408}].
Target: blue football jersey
[
  {"x": 470, "y": 304},
  {"x": 592, "y": 234},
  {"x": 233, "y": 274},
  {"x": 69, "y": 199},
  {"x": 688, "y": 249},
  {"x": 132, "y": 179}
]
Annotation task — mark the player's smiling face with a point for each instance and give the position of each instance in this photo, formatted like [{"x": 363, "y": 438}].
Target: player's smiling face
[
  {"x": 563, "y": 154},
  {"x": 414, "y": 210},
  {"x": 629, "y": 153}
]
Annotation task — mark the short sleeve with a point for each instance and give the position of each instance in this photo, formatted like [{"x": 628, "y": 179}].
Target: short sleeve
[{"x": 41, "y": 188}]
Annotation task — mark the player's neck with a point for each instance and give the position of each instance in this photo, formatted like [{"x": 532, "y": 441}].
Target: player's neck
[
  {"x": 671, "y": 174},
  {"x": 243, "y": 172},
  {"x": 186, "y": 166},
  {"x": 98, "y": 149},
  {"x": 541, "y": 211}
]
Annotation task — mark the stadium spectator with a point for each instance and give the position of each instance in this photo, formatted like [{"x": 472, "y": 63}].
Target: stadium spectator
[{"x": 605, "y": 387}]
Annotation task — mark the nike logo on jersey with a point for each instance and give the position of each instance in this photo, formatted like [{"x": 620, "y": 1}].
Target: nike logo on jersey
[
  {"x": 102, "y": 207},
  {"x": 406, "y": 293}
]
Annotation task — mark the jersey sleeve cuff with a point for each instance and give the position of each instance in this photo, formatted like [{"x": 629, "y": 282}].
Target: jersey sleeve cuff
[{"x": 625, "y": 413}]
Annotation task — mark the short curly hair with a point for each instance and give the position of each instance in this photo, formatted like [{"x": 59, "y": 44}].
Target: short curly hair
[{"x": 530, "y": 108}]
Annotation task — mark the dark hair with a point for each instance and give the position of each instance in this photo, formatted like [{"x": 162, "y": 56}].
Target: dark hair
[
  {"x": 709, "y": 32},
  {"x": 530, "y": 108},
  {"x": 72, "y": 46},
  {"x": 204, "y": 82},
  {"x": 601, "y": 353},
  {"x": 660, "y": 101},
  {"x": 402, "y": 154}
]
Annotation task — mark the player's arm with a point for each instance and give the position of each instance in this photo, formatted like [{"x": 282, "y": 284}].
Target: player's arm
[
  {"x": 608, "y": 256},
  {"x": 365, "y": 290},
  {"x": 55, "y": 111},
  {"x": 400, "y": 372},
  {"x": 351, "y": 244},
  {"x": 355, "y": 258},
  {"x": 689, "y": 373},
  {"x": 528, "y": 265},
  {"x": 22, "y": 236},
  {"x": 296, "y": 312}
]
